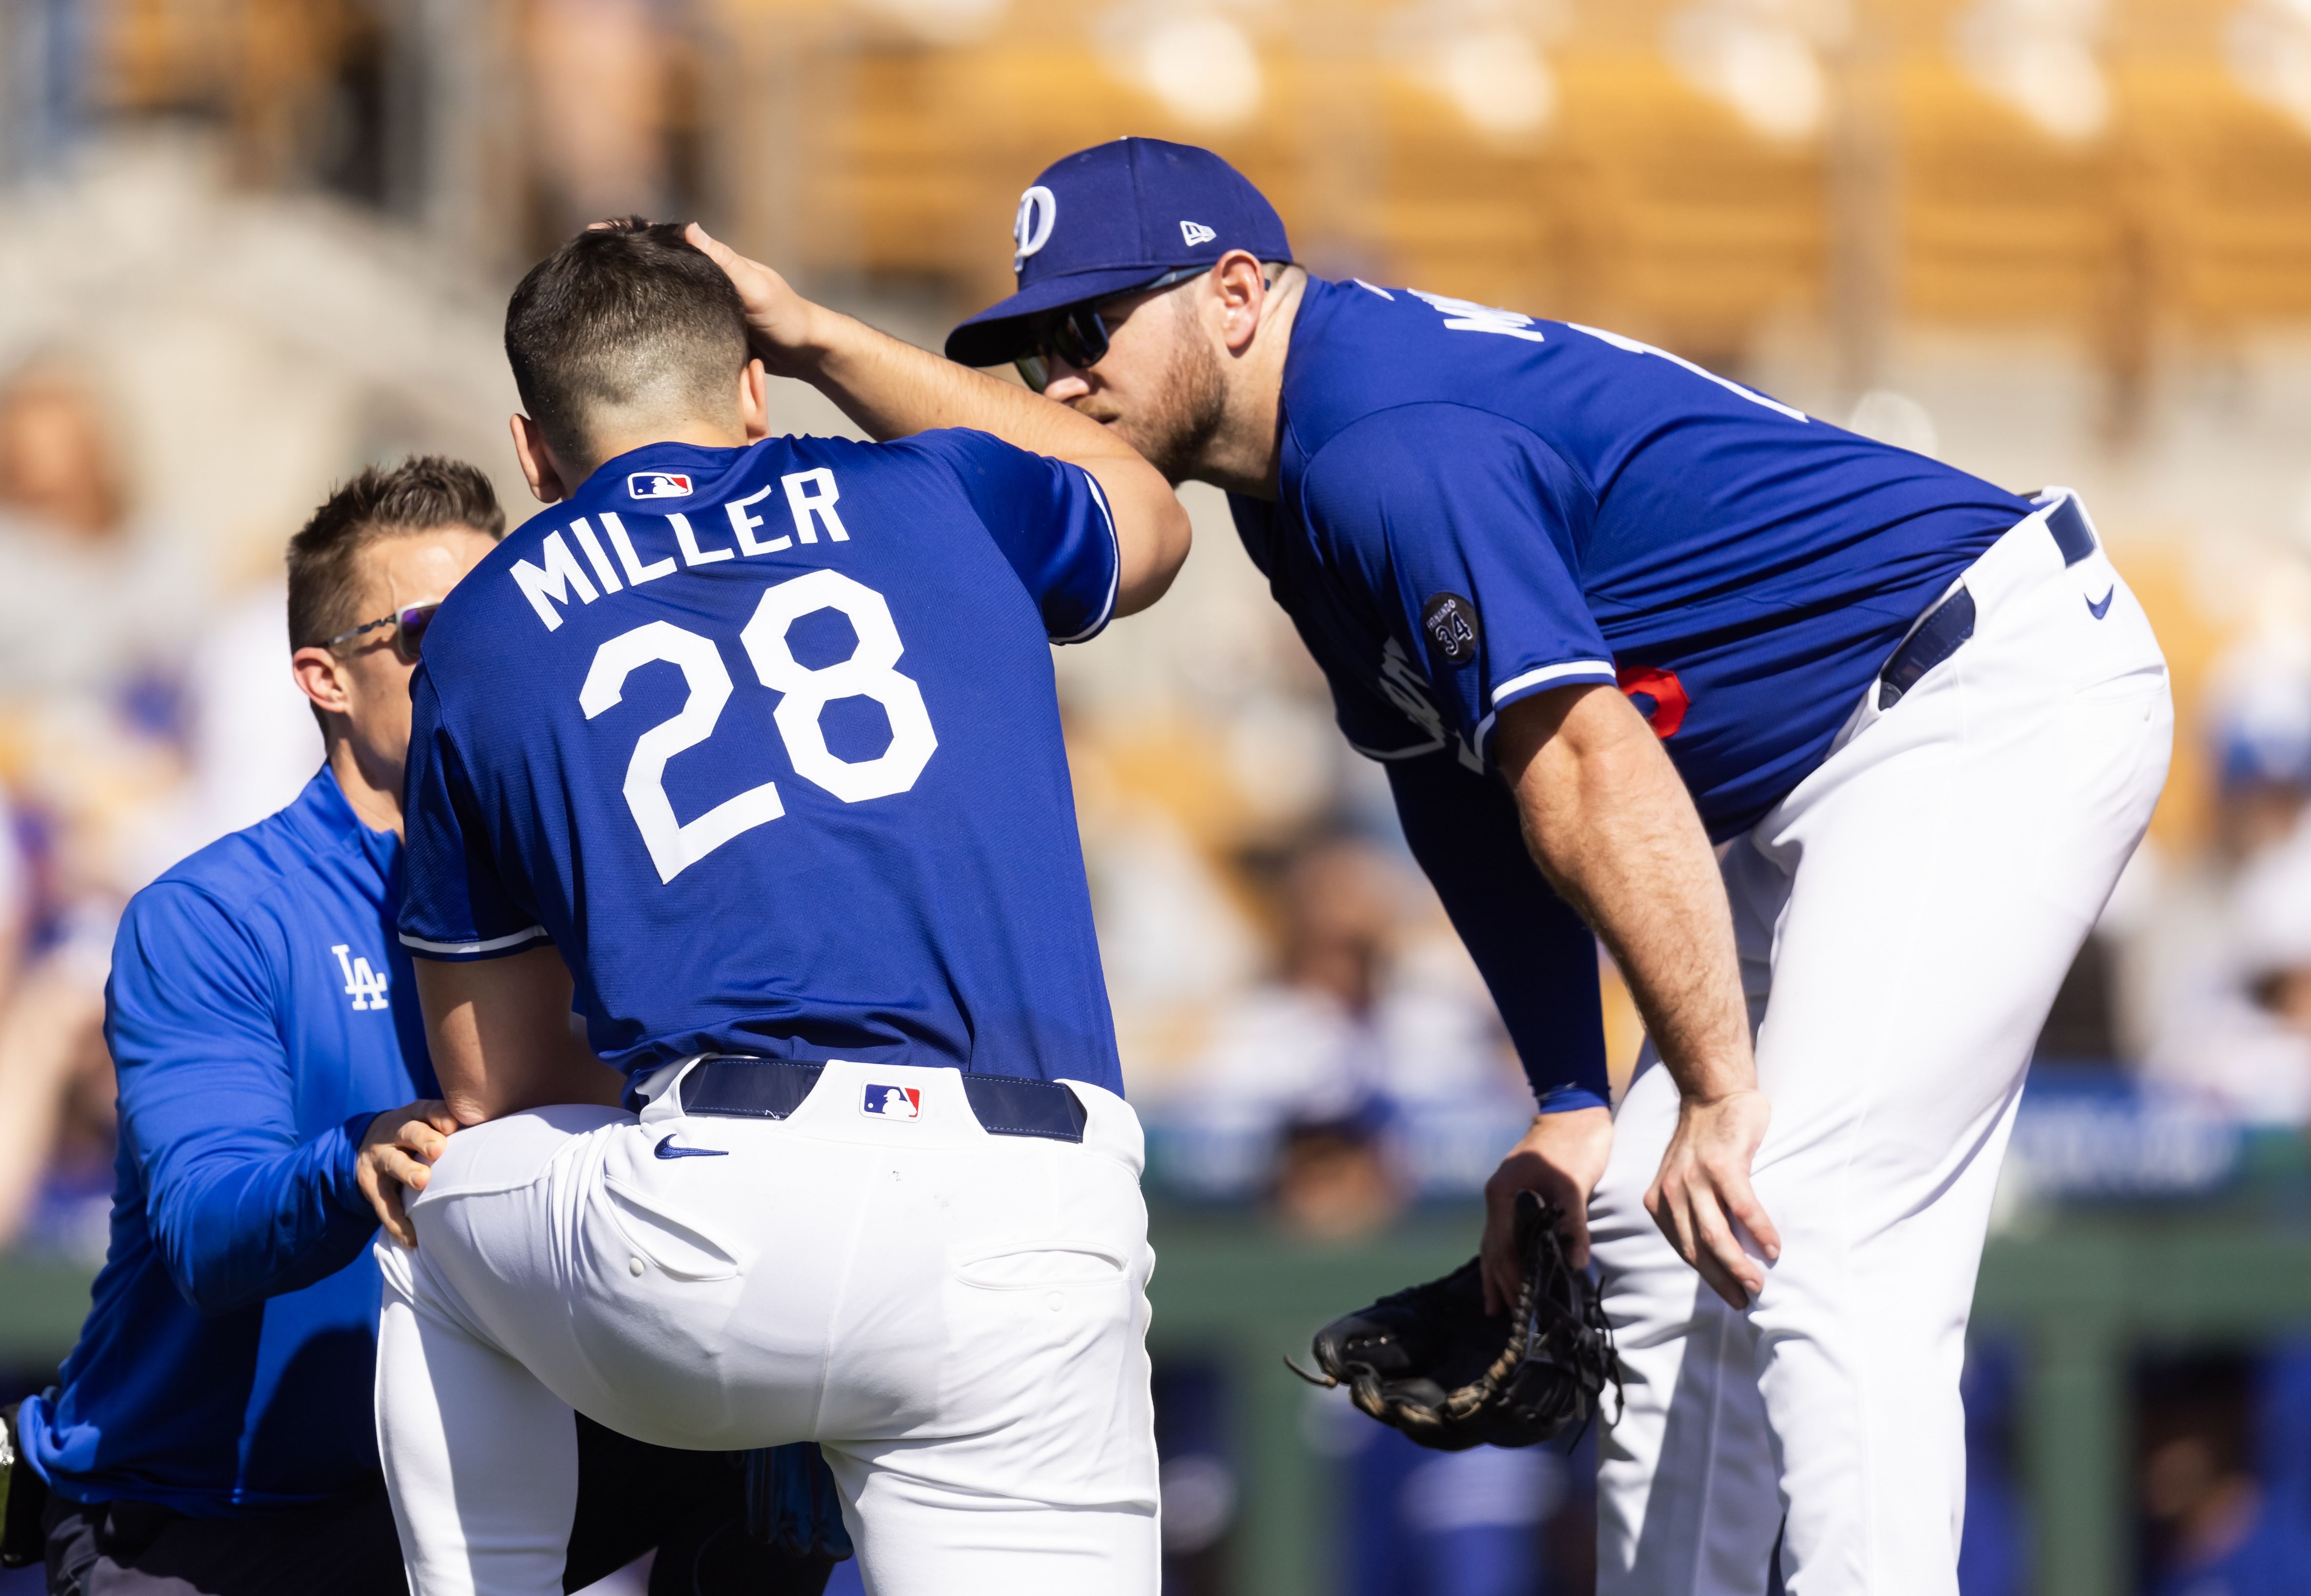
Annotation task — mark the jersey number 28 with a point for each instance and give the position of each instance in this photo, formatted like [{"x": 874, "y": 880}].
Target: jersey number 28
[{"x": 674, "y": 844}]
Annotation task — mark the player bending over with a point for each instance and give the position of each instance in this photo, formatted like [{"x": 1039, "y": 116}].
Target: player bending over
[
  {"x": 748, "y": 752},
  {"x": 1601, "y": 610}
]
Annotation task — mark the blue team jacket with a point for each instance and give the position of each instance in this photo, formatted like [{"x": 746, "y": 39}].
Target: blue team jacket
[{"x": 259, "y": 1015}]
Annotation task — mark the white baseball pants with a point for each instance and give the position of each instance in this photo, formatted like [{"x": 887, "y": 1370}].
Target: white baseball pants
[
  {"x": 1903, "y": 918},
  {"x": 958, "y": 1319}
]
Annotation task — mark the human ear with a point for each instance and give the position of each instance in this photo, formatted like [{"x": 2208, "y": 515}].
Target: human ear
[
  {"x": 1240, "y": 286},
  {"x": 538, "y": 467},
  {"x": 319, "y": 675},
  {"x": 754, "y": 401}
]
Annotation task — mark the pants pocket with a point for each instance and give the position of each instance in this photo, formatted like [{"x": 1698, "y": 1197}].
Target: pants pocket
[
  {"x": 1033, "y": 1266},
  {"x": 680, "y": 1245}
]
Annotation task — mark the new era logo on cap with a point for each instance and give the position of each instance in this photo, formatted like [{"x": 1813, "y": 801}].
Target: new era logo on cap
[
  {"x": 659, "y": 484},
  {"x": 1195, "y": 233},
  {"x": 892, "y": 1103}
]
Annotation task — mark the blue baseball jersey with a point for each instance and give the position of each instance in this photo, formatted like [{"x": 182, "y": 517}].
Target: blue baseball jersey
[
  {"x": 258, "y": 1019},
  {"x": 765, "y": 741},
  {"x": 1476, "y": 506}
]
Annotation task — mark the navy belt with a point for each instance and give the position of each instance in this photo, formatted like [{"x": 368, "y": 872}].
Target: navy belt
[
  {"x": 734, "y": 1085},
  {"x": 1950, "y": 623}
]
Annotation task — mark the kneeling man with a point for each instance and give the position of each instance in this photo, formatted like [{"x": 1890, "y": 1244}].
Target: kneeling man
[
  {"x": 212, "y": 1430},
  {"x": 748, "y": 751}
]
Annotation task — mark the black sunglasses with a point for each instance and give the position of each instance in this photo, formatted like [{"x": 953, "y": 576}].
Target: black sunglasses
[
  {"x": 409, "y": 630},
  {"x": 1078, "y": 335}
]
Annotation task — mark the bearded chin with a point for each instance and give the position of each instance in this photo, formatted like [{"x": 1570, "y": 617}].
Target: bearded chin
[{"x": 1179, "y": 426}]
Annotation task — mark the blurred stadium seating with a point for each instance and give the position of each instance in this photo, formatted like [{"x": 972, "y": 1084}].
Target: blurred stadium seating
[{"x": 264, "y": 241}]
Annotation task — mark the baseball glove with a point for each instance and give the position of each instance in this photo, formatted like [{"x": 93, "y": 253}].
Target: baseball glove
[{"x": 1431, "y": 1362}]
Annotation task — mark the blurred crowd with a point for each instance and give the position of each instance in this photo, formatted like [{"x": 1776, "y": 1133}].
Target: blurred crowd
[
  {"x": 142, "y": 713},
  {"x": 184, "y": 372},
  {"x": 2222, "y": 942}
]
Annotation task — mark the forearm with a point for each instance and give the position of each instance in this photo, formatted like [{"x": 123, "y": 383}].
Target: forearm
[
  {"x": 235, "y": 1225},
  {"x": 1537, "y": 957},
  {"x": 1611, "y": 825},
  {"x": 500, "y": 1037},
  {"x": 1560, "y": 1040},
  {"x": 893, "y": 389},
  {"x": 483, "y": 1084}
]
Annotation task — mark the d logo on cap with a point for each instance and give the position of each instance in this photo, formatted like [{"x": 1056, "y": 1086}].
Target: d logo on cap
[
  {"x": 1039, "y": 213},
  {"x": 1138, "y": 209}
]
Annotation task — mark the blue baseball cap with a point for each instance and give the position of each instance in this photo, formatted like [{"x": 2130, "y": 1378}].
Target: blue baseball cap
[{"x": 1113, "y": 218}]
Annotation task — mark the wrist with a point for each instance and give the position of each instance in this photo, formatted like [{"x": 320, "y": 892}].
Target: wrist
[
  {"x": 1553, "y": 1135},
  {"x": 1717, "y": 1096},
  {"x": 344, "y": 1164},
  {"x": 820, "y": 338}
]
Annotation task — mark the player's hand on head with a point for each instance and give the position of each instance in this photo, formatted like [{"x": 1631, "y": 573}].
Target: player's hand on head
[
  {"x": 1703, "y": 1193},
  {"x": 1562, "y": 1156},
  {"x": 395, "y": 1156},
  {"x": 782, "y": 320}
]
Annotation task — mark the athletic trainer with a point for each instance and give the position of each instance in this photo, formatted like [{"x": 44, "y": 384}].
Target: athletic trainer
[
  {"x": 747, "y": 751},
  {"x": 1600, "y": 611},
  {"x": 212, "y": 1430}
]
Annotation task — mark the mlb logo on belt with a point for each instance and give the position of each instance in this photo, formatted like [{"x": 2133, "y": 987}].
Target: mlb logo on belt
[
  {"x": 892, "y": 1103},
  {"x": 659, "y": 484}
]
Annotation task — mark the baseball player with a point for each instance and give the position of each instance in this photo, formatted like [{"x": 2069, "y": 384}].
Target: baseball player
[
  {"x": 1839, "y": 750},
  {"x": 747, "y": 751}
]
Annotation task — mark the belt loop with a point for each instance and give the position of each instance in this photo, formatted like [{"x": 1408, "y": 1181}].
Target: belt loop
[
  {"x": 1944, "y": 631},
  {"x": 654, "y": 1097},
  {"x": 742, "y": 1086},
  {"x": 2067, "y": 523},
  {"x": 1014, "y": 1105}
]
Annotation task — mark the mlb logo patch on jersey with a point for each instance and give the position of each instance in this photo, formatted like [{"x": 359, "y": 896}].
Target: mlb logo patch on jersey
[
  {"x": 892, "y": 1103},
  {"x": 659, "y": 484}
]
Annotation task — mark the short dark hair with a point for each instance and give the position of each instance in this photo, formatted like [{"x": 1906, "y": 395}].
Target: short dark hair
[
  {"x": 422, "y": 492},
  {"x": 620, "y": 309}
]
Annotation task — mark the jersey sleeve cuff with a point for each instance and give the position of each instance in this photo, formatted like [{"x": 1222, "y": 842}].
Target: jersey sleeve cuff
[
  {"x": 341, "y": 1163},
  {"x": 1564, "y": 1100},
  {"x": 485, "y": 947},
  {"x": 1541, "y": 679},
  {"x": 1115, "y": 566}
]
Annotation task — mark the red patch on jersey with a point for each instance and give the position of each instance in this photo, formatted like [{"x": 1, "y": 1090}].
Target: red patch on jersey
[{"x": 1669, "y": 700}]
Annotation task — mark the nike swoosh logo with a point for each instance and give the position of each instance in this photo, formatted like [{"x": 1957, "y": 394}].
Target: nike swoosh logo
[
  {"x": 666, "y": 1149},
  {"x": 2100, "y": 610}
]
